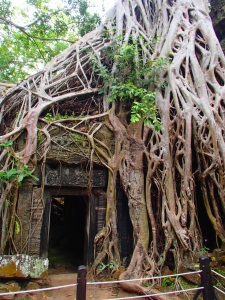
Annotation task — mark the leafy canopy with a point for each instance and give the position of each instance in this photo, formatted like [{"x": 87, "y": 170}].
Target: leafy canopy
[
  {"x": 32, "y": 33},
  {"x": 133, "y": 81},
  {"x": 18, "y": 172}
]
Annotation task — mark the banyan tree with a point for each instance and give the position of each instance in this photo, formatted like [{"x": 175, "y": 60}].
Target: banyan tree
[{"x": 151, "y": 78}]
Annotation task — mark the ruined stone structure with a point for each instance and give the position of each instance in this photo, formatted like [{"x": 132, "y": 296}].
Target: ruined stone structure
[
  {"x": 68, "y": 212},
  {"x": 68, "y": 215}
]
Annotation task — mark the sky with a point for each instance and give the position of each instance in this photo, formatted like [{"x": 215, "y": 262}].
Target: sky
[
  {"x": 99, "y": 6},
  {"x": 102, "y": 6}
]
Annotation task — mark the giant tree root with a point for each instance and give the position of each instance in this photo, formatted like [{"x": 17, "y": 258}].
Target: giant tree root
[{"x": 134, "y": 287}]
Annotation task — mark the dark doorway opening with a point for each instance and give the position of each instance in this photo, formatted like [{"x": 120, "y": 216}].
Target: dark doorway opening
[
  {"x": 67, "y": 236},
  {"x": 124, "y": 225},
  {"x": 208, "y": 232}
]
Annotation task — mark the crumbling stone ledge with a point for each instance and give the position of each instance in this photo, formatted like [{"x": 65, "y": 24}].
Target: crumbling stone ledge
[{"x": 23, "y": 266}]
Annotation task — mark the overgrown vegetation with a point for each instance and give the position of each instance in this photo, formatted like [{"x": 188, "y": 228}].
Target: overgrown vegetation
[
  {"x": 133, "y": 79},
  {"x": 35, "y": 31},
  {"x": 14, "y": 171},
  {"x": 145, "y": 91}
]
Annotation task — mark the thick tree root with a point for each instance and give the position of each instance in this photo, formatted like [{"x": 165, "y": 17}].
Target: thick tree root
[{"x": 137, "y": 288}]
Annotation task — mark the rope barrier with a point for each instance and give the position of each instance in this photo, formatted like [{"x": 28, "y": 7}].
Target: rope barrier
[
  {"x": 152, "y": 295},
  {"x": 105, "y": 282},
  {"x": 218, "y": 274},
  {"x": 223, "y": 292},
  {"x": 144, "y": 279},
  {"x": 39, "y": 290}
]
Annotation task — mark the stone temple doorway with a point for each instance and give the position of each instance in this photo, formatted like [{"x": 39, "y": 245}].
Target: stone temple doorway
[
  {"x": 68, "y": 227},
  {"x": 67, "y": 236}
]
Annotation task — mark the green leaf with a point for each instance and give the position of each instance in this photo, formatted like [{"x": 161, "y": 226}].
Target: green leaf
[
  {"x": 17, "y": 227},
  {"x": 21, "y": 178},
  {"x": 40, "y": 34},
  {"x": 12, "y": 173},
  {"x": 6, "y": 144}
]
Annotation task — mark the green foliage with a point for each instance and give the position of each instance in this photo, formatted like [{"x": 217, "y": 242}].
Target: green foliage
[
  {"x": 204, "y": 249},
  {"x": 103, "y": 266},
  {"x": 49, "y": 117},
  {"x": 17, "y": 227},
  {"x": 6, "y": 144},
  {"x": 146, "y": 110},
  {"x": 185, "y": 284},
  {"x": 5, "y": 176},
  {"x": 18, "y": 172},
  {"x": 134, "y": 80},
  {"x": 43, "y": 30},
  {"x": 219, "y": 280},
  {"x": 168, "y": 281},
  {"x": 77, "y": 137},
  {"x": 146, "y": 284}
]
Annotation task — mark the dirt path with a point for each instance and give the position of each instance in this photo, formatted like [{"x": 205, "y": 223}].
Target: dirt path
[
  {"x": 65, "y": 277},
  {"x": 93, "y": 292}
]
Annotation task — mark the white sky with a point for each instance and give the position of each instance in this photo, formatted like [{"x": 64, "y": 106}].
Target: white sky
[
  {"x": 99, "y": 6},
  {"x": 102, "y": 6}
]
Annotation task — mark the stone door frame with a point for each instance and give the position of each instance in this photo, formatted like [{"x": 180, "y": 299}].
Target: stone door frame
[{"x": 90, "y": 226}]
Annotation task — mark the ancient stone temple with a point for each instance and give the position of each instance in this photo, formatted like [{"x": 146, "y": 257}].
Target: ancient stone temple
[
  {"x": 64, "y": 218},
  {"x": 58, "y": 132}
]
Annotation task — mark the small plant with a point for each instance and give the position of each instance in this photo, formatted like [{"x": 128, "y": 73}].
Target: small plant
[
  {"x": 40, "y": 137},
  {"x": 103, "y": 266},
  {"x": 168, "y": 281},
  {"x": 18, "y": 174},
  {"x": 79, "y": 139},
  {"x": 49, "y": 117},
  {"x": 6, "y": 144},
  {"x": 146, "y": 284},
  {"x": 204, "y": 249},
  {"x": 111, "y": 265},
  {"x": 132, "y": 81},
  {"x": 17, "y": 227}
]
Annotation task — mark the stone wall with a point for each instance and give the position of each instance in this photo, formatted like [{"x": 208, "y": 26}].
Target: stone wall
[
  {"x": 70, "y": 148},
  {"x": 23, "y": 266},
  {"x": 68, "y": 175}
]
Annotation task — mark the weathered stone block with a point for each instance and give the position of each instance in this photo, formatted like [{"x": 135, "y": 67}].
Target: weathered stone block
[
  {"x": 74, "y": 176},
  {"x": 23, "y": 266}
]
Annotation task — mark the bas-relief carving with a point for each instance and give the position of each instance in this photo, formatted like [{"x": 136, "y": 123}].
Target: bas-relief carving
[{"x": 74, "y": 176}]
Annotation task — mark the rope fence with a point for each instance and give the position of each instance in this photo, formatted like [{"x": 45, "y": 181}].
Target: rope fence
[
  {"x": 218, "y": 274},
  {"x": 221, "y": 277},
  {"x": 39, "y": 290},
  {"x": 152, "y": 295},
  {"x": 145, "y": 278},
  {"x": 206, "y": 287}
]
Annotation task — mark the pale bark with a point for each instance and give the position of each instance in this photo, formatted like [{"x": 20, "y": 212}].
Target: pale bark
[{"x": 157, "y": 169}]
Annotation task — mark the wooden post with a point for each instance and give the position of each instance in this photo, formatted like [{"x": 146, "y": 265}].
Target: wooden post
[
  {"x": 208, "y": 291},
  {"x": 81, "y": 283}
]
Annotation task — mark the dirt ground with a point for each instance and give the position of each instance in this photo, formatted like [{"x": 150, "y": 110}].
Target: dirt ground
[
  {"x": 61, "y": 277},
  {"x": 94, "y": 292}
]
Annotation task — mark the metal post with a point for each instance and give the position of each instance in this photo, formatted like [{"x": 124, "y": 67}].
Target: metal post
[
  {"x": 208, "y": 292},
  {"x": 81, "y": 283}
]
